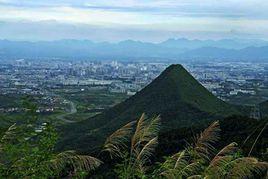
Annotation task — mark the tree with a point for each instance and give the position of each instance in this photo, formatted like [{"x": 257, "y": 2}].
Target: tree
[{"x": 27, "y": 150}]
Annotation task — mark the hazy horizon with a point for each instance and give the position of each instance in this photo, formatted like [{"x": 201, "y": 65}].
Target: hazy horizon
[
  {"x": 149, "y": 21},
  {"x": 142, "y": 41}
]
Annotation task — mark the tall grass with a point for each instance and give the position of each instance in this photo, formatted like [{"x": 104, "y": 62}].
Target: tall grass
[{"x": 134, "y": 145}]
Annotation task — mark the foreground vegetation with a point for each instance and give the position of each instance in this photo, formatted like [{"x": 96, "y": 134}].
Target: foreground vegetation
[
  {"x": 27, "y": 150},
  {"x": 198, "y": 160},
  {"x": 175, "y": 94}
]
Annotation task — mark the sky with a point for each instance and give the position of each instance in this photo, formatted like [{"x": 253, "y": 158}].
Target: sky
[{"x": 144, "y": 20}]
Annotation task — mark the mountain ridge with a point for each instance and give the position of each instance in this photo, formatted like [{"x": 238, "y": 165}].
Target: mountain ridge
[
  {"x": 181, "y": 49},
  {"x": 174, "y": 94}
]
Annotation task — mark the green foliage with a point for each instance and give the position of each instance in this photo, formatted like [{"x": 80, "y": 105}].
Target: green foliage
[
  {"x": 200, "y": 160},
  {"x": 27, "y": 150},
  {"x": 134, "y": 149},
  {"x": 264, "y": 109},
  {"x": 175, "y": 95}
]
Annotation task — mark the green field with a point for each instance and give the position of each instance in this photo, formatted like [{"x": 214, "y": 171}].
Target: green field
[
  {"x": 90, "y": 101},
  {"x": 10, "y": 100},
  {"x": 73, "y": 104}
]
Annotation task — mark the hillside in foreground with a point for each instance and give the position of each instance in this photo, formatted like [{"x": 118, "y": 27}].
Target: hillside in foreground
[
  {"x": 175, "y": 95},
  {"x": 264, "y": 109}
]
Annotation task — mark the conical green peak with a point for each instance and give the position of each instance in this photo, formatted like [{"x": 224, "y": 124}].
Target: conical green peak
[{"x": 175, "y": 68}]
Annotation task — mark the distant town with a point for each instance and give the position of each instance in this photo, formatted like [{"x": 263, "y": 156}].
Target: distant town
[{"x": 237, "y": 83}]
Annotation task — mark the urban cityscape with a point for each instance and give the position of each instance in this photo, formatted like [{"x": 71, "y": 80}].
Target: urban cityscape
[
  {"x": 153, "y": 89},
  {"x": 50, "y": 80}
]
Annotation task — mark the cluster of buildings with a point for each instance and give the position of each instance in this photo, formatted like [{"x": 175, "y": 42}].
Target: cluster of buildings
[
  {"x": 227, "y": 80},
  {"x": 36, "y": 78},
  {"x": 33, "y": 77}
]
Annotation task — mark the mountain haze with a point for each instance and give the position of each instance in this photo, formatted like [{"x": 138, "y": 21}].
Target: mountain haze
[
  {"x": 175, "y": 95},
  {"x": 235, "y": 44},
  {"x": 249, "y": 53},
  {"x": 172, "y": 49}
]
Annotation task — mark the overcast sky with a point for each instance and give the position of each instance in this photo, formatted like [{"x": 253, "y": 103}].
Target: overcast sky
[{"x": 146, "y": 20}]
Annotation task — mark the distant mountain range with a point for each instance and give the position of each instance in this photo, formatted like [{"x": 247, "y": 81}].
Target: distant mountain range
[
  {"x": 175, "y": 95},
  {"x": 172, "y": 49},
  {"x": 237, "y": 44}
]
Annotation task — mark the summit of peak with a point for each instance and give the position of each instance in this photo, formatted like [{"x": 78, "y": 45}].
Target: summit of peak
[{"x": 175, "y": 67}]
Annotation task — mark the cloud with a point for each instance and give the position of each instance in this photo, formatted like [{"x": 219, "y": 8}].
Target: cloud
[
  {"x": 192, "y": 16},
  {"x": 227, "y": 8},
  {"x": 53, "y": 30}
]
